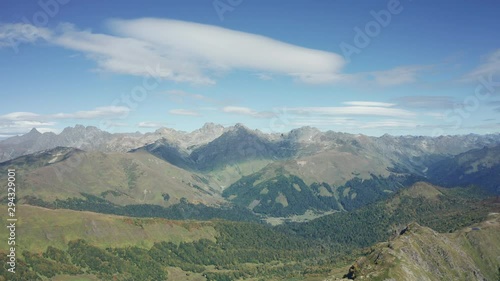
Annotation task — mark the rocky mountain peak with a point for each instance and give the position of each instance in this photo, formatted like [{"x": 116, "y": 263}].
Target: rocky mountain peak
[
  {"x": 209, "y": 126},
  {"x": 304, "y": 134},
  {"x": 34, "y": 131}
]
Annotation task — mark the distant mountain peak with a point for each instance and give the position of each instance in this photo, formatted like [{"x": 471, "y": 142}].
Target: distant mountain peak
[
  {"x": 34, "y": 131},
  {"x": 210, "y": 125},
  {"x": 240, "y": 129},
  {"x": 305, "y": 133}
]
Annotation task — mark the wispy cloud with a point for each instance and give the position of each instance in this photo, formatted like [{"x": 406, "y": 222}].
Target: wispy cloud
[
  {"x": 369, "y": 103},
  {"x": 12, "y": 34},
  {"x": 265, "y": 76},
  {"x": 21, "y": 122},
  {"x": 350, "y": 124},
  {"x": 398, "y": 75},
  {"x": 99, "y": 112},
  {"x": 353, "y": 110},
  {"x": 490, "y": 65},
  {"x": 149, "y": 124},
  {"x": 181, "y": 96},
  {"x": 14, "y": 127},
  {"x": 184, "y": 112},
  {"x": 392, "y": 77},
  {"x": 19, "y": 116},
  {"x": 427, "y": 102},
  {"x": 494, "y": 103},
  {"x": 247, "y": 111}
]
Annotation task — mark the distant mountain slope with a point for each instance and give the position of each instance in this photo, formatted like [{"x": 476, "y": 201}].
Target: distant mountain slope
[
  {"x": 237, "y": 145},
  {"x": 271, "y": 174},
  {"x": 442, "y": 209},
  {"x": 478, "y": 166},
  {"x": 121, "y": 178},
  {"x": 420, "y": 253},
  {"x": 282, "y": 194}
]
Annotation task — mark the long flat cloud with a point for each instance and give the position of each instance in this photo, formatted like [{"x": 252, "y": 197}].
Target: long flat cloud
[
  {"x": 353, "y": 110},
  {"x": 183, "y": 51},
  {"x": 199, "y": 53},
  {"x": 216, "y": 48}
]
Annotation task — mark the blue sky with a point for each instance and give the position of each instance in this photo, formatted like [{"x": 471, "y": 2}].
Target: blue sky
[{"x": 372, "y": 67}]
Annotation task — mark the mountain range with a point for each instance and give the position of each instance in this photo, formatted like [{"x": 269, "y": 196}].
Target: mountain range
[
  {"x": 272, "y": 175},
  {"x": 231, "y": 203}
]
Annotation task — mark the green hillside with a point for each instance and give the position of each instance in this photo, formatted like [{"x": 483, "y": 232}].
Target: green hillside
[
  {"x": 285, "y": 194},
  {"x": 38, "y": 228},
  {"x": 73, "y": 244},
  {"x": 421, "y": 253},
  {"x": 78, "y": 245},
  {"x": 444, "y": 210},
  {"x": 121, "y": 178}
]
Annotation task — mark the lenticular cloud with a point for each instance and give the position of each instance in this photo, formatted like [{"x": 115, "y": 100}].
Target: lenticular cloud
[{"x": 184, "y": 51}]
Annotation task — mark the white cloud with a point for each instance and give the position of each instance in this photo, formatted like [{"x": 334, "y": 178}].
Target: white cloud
[
  {"x": 247, "y": 111},
  {"x": 398, "y": 75},
  {"x": 19, "y": 116},
  {"x": 185, "y": 51},
  {"x": 427, "y": 102},
  {"x": 99, "y": 112},
  {"x": 369, "y": 103},
  {"x": 111, "y": 124},
  {"x": 265, "y": 76},
  {"x": 346, "y": 124},
  {"x": 387, "y": 124},
  {"x": 315, "y": 121},
  {"x": 353, "y": 110},
  {"x": 21, "y": 122},
  {"x": 199, "y": 53},
  {"x": 12, "y": 34},
  {"x": 149, "y": 124},
  {"x": 183, "y": 112},
  {"x": 206, "y": 47},
  {"x": 490, "y": 66},
  {"x": 12, "y": 128},
  {"x": 48, "y": 130},
  {"x": 238, "y": 110}
]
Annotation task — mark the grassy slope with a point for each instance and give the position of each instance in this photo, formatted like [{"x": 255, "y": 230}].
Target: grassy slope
[
  {"x": 423, "y": 254},
  {"x": 134, "y": 178},
  {"x": 39, "y": 228}
]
